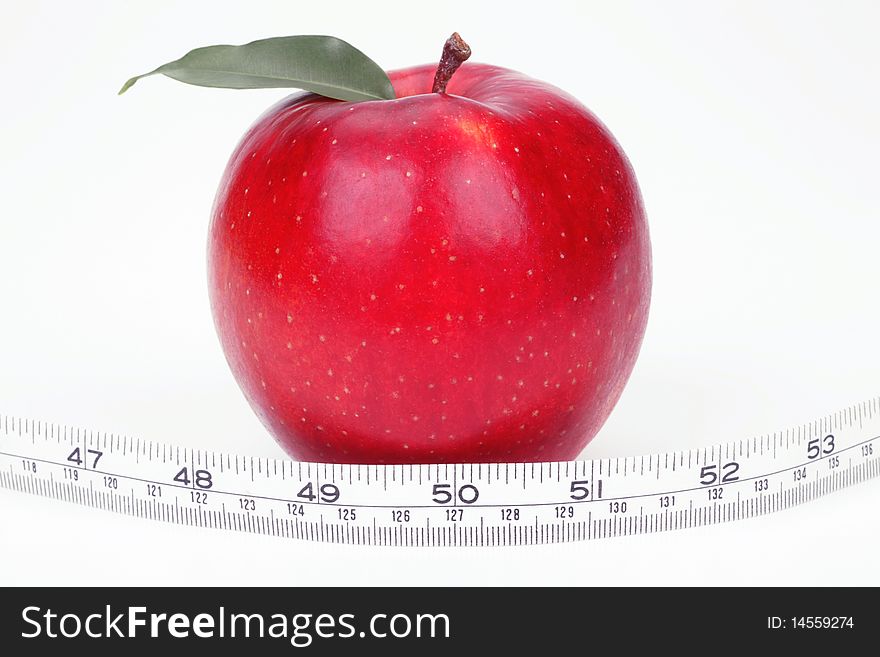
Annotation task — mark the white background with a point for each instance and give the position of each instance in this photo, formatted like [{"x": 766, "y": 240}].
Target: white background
[{"x": 752, "y": 128}]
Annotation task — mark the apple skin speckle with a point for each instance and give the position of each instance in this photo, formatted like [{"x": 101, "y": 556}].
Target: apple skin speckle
[{"x": 403, "y": 320}]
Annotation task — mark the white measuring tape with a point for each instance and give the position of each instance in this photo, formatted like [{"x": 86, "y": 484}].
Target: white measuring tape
[{"x": 436, "y": 505}]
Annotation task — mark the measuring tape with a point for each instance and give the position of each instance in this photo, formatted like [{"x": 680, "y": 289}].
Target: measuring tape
[{"x": 475, "y": 504}]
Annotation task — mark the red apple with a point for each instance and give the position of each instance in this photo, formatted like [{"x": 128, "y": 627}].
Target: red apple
[{"x": 443, "y": 277}]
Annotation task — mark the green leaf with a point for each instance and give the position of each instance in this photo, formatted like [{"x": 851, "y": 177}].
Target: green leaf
[{"x": 322, "y": 64}]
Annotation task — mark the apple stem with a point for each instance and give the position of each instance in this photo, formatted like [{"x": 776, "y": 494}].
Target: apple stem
[{"x": 455, "y": 52}]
